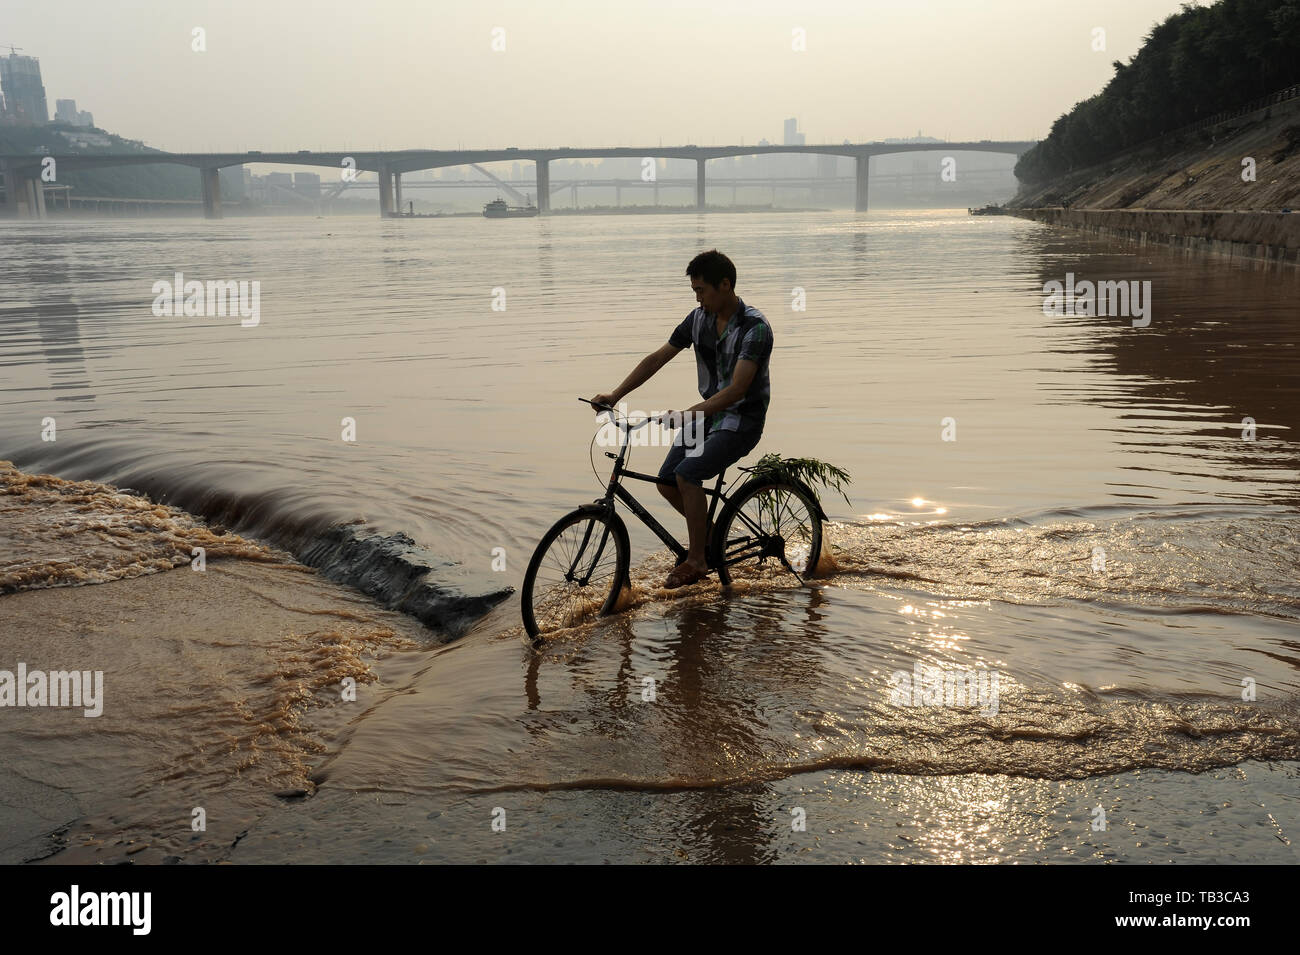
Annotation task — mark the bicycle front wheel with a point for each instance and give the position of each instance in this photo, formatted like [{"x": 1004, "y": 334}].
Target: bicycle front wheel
[
  {"x": 576, "y": 572},
  {"x": 777, "y": 527}
]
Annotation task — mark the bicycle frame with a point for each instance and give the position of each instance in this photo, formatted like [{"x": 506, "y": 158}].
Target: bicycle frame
[
  {"x": 616, "y": 489},
  {"x": 767, "y": 545}
]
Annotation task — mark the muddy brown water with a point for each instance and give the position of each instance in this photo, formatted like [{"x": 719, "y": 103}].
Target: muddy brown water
[{"x": 1112, "y": 533}]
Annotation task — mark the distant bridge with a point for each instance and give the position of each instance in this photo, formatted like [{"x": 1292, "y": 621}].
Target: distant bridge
[
  {"x": 513, "y": 187},
  {"x": 24, "y": 195}
]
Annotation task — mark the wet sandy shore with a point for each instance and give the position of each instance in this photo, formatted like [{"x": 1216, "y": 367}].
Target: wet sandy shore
[{"x": 221, "y": 687}]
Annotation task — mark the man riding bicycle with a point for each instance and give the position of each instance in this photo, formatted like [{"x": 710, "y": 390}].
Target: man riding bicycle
[{"x": 733, "y": 346}]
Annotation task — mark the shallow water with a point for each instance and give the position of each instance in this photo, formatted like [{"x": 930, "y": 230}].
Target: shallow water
[{"x": 1100, "y": 535}]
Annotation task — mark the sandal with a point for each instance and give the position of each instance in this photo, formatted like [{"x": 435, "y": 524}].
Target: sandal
[{"x": 683, "y": 576}]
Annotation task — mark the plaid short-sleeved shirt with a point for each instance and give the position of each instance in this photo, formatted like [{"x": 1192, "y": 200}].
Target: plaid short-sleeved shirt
[{"x": 747, "y": 335}]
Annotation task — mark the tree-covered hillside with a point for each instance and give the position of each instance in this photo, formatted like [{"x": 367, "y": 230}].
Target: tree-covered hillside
[{"x": 1196, "y": 63}]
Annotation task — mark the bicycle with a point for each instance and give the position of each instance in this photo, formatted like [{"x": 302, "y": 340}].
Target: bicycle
[{"x": 571, "y": 574}]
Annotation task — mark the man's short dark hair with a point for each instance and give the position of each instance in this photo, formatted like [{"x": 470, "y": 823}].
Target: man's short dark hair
[{"x": 712, "y": 267}]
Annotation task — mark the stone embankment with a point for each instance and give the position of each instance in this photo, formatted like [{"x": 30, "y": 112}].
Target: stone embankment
[{"x": 1227, "y": 189}]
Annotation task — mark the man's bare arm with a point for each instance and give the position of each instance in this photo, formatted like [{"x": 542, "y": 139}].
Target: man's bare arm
[
  {"x": 741, "y": 379},
  {"x": 643, "y": 372}
]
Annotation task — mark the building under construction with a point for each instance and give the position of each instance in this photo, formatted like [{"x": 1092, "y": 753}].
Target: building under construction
[{"x": 24, "y": 93}]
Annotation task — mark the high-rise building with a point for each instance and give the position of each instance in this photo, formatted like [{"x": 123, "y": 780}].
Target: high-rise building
[
  {"x": 24, "y": 93},
  {"x": 65, "y": 111},
  {"x": 792, "y": 136}
]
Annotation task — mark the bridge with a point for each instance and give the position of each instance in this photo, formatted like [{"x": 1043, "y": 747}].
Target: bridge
[{"x": 25, "y": 195}]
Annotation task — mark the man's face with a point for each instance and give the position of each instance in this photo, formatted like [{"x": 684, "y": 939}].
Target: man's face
[{"x": 710, "y": 298}]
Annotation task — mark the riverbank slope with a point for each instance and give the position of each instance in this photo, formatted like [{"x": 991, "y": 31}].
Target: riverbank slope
[{"x": 1227, "y": 190}]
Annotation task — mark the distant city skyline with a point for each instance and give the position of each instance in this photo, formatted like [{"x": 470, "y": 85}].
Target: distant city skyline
[{"x": 394, "y": 74}]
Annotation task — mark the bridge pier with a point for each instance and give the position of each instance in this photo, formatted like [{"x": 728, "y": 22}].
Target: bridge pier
[
  {"x": 543, "y": 186},
  {"x": 36, "y": 197},
  {"x": 11, "y": 193},
  {"x": 699, "y": 184},
  {"x": 860, "y": 193},
  {"x": 211, "y": 179},
  {"x": 397, "y": 191},
  {"x": 24, "y": 195},
  {"x": 385, "y": 191}
]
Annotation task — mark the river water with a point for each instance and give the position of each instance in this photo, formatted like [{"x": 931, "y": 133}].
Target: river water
[{"x": 1097, "y": 519}]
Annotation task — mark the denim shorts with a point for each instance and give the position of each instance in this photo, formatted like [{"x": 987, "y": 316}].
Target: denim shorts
[{"x": 721, "y": 449}]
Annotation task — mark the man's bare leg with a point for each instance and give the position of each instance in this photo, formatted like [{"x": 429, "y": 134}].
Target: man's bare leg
[
  {"x": 674, "y": 497},
  {"x": 695, "y": 507}
]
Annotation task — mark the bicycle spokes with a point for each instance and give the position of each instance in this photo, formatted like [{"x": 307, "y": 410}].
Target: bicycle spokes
[
  {"x": 575, "y": 576},
  {"x": 576, "y": 571},
  {"x": 773, "y": 523}
]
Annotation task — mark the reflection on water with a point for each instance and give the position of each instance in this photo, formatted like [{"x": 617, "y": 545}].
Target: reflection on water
[
  {"x": 1101, "y": 532},
  {"x": 465, "y": 419}
]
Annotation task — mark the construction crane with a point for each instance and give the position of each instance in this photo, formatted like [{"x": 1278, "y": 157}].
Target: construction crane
[{"x": 11, "y": 48}]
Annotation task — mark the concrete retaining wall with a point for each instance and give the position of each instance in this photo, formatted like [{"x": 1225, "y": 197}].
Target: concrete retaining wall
[{"x": 1258, "y": 236}]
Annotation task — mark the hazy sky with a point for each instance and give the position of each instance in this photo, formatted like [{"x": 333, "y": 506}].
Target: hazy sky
[{"x": 296, "y": 74}]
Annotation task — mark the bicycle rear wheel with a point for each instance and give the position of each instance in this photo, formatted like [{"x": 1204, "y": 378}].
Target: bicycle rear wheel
[
  {"x": 576, "y": 572},
  {"x": 777, "y": 526}
]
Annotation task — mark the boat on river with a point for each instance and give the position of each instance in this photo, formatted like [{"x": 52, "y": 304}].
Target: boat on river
[{"x": 497, "y": 209}]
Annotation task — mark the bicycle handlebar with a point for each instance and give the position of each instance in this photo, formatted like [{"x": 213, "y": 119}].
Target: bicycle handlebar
[{"x": 624, "y": 424}]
